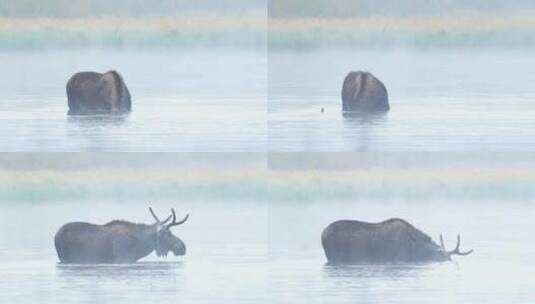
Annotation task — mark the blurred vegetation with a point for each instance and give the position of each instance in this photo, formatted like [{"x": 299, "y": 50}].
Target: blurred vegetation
[
  {"x": 420, "y": 32},
  {"x": 421, "y": 24},
  {"x": 139, "y": 32},
  {"x": 353, "y": 8},
  {"x": 118, "y": 24},
  {"x": 294, "y": 24},
  {"x": 89, "y": 8},
  {"x": 277, "y": 8}
]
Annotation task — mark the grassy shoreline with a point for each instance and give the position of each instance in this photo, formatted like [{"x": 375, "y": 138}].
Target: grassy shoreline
[
  {"x": 235, "y": 31},
  {"x": 122, "y": 32},
  {"x": 449, "y": 31},
  {"x": 255, "y": 184}
]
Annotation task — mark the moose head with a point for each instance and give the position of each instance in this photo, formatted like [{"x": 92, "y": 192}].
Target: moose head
[
  {"x": 447, "y": 254},
  {"x": 165, "y": 240}
]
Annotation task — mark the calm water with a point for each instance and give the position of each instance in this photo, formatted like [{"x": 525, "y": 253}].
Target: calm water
[
  {"x": 499, "y": 270},
  {"x": 197, "y": 100},
  {"x": 246, "y": 244},
  {"x": 224, "y": 261},
  {"x": 440, "y": 101},
  {"x": 205, "y": 100},
  {"x": 244, "y": 253}
]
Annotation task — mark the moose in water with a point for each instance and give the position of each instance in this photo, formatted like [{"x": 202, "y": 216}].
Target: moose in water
[
  {"x": 362, "y": 92},
  {"x": 97, "y": 93},
  {"x": 390, "y": 241},
  {"x": 117, "y": 241}
]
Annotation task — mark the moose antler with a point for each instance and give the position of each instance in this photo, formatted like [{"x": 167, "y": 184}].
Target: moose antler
[
  {"x": 456, "y": 250},
  {"x": 174, "y": 222},
  {"x": 157, "y": 219},
  {"x": 442, "y": 243}
]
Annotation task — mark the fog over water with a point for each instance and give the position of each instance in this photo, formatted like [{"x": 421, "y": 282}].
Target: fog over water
[
  {"x": 255, "y": 224},
  {"x": 198, "y": 100},
  {"x": 243, "y": 252},
  {"x": 237, "y": 121},
  {"x": 456, "y": 100}
]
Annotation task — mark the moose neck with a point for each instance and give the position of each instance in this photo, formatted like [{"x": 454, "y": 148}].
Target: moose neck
[{"x": 148, "y": 241}]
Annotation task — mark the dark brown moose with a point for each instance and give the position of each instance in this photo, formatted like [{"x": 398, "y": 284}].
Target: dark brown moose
[
  {"x": 393, "y": 240},
  {"x": 363, "y": 92},
  {"x": 97, "y": 93},
  {"x": 117, "y": 241}
]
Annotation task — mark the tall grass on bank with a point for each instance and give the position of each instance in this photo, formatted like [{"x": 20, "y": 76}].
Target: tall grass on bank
[
  {"x": 254, "y": 31},
  {"x": 126, "y": 32},
  {"x": 255, "y": 184},
  {"x": 454, "y": 31}
]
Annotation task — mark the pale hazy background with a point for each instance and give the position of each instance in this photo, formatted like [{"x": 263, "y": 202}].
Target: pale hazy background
[
  {"x": 81, "y": 8},
  {"x": 119, "y": 24},
  {"x": 420, "y": 24},
  {"x": 345, "y": 8},
  {"x": 196, "y": 71},
  {"x": 255, "y": 223}
]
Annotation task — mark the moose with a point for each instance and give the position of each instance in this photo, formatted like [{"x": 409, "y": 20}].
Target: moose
[
  {"x": 363, "y": 92},
  {"x": 390, "y": 241},
  {"x": 97, "y": 93},
  {"x": 117, "y": 241}
]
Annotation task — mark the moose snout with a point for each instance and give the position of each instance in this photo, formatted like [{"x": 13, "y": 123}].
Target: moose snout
[{"x": 179, "y": 248}]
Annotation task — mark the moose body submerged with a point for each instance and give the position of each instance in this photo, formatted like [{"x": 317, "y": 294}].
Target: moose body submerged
[
  {"x": 363, "y": 92},
  {"x": 393, "y": 240},
  {"x": 96, "y": 93},
  {"x": 117, "y": 241}
]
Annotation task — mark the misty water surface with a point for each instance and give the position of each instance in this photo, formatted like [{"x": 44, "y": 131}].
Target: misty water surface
[
  {"x": 247, "y": 252},
  {"x": 254, "y": 234},
  {"x": 220, "y": 263},
  {"x": 194, "y": 100},
  {"x": 447, "y": 100},
  {"x": 498, "y": 271}
]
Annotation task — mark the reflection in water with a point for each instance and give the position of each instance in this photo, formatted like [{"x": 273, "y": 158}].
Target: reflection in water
[
  {"x": 361, "y": 128},
  {"x": 118, "y": 271},
  {"x": 364, "y": 118},
  {"x": 133, "y": 277},
  {"x": 363, "y": 271},
  {"x": 376, "y": 282},
  {"x": 98, "y": 120},
  {"x": 95, "y": 132}
]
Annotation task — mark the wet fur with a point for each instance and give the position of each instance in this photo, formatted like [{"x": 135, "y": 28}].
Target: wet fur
[
  {"x": 94, "y": 93},
  {"x": 361, "y": 91},
  {"x": 114, "y": 242},
  {"x": 393, "y": 240}
]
